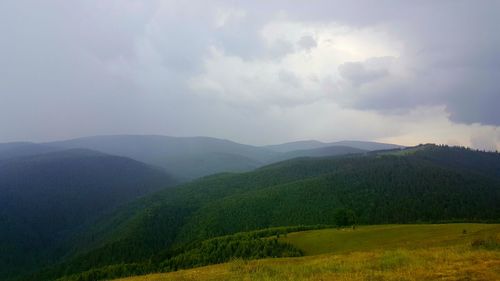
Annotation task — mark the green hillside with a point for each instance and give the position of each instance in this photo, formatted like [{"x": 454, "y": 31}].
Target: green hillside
[
  {"x": 378, "y": 188},
  {"x": 383, "y": 252}
]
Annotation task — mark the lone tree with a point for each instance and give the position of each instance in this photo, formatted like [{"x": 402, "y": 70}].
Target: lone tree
[{"x": 345, "y": 217}]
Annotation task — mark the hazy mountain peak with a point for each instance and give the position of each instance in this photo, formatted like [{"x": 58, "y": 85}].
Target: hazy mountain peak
[
  {"x": 296, "y": 145},
  {"x": 313, "y": 144}
]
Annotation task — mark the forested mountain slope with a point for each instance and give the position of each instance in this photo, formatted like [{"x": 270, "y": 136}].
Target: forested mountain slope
[
  {"x": 45, "y": 199},
  {"x": 427, "y": 184}
]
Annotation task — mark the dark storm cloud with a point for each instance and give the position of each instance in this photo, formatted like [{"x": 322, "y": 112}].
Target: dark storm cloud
[{"x": 451, "y": 50}]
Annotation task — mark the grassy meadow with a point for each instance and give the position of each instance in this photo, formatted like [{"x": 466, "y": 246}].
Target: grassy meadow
[
  {"x": 387, "y": 237},
  {"x": 386, "y": 252}
]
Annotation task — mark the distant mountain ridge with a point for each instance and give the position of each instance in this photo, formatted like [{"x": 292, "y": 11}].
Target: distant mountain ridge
[
  {"x": 184, "y": 157},
  {"x": 296, "y": 145},
  {"x": 193, "y": 157},
  {"x": 324, "y": 151},
  {"x": 314, "y": 144},
  {"x": 17, "y": 149}
]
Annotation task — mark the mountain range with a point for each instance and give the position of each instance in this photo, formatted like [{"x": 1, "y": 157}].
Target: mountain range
[
  {"x": 72, "y": 209},
  {"x": 187, "y": 158},
  {"x": 423, "y": 184},
  {"x": 52, "y": 191}
]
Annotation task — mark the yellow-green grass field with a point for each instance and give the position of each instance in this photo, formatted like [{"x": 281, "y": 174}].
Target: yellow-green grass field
[
  {"x": 386, "y": 237},
  {"x": 385, "y": 252}
]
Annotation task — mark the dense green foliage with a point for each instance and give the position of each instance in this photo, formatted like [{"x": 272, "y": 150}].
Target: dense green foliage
[
  {"x": 389, "y": 187},
  {"x": 345, "y": 217},
  {"x": 222, "y": 249},
  {"x": 246, "y": 245}
]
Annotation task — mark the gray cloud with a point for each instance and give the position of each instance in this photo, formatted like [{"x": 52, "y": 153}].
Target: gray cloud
[
  {"x": 359, "y": 73},
  {"x": 97, "y": 67},
  {"x": 307, "y": 42}
]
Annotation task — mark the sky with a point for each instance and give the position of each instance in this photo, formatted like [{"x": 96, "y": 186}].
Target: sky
[{"x": 256, "y": 72}]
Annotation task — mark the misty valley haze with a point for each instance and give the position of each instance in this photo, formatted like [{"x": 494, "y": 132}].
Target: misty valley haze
[{"x": 187, "y": 158}]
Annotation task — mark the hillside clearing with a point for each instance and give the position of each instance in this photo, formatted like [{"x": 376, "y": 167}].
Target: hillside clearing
[{"x": 367, "y": 238}]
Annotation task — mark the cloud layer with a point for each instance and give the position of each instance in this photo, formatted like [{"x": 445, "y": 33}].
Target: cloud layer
[{"x": 256, "y": 72}]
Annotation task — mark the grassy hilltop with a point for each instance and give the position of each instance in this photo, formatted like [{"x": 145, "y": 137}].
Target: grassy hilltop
[{"x": 388, "y": 237}]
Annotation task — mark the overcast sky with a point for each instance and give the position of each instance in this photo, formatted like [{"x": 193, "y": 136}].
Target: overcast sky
[{"x": 256, "y": 72}]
